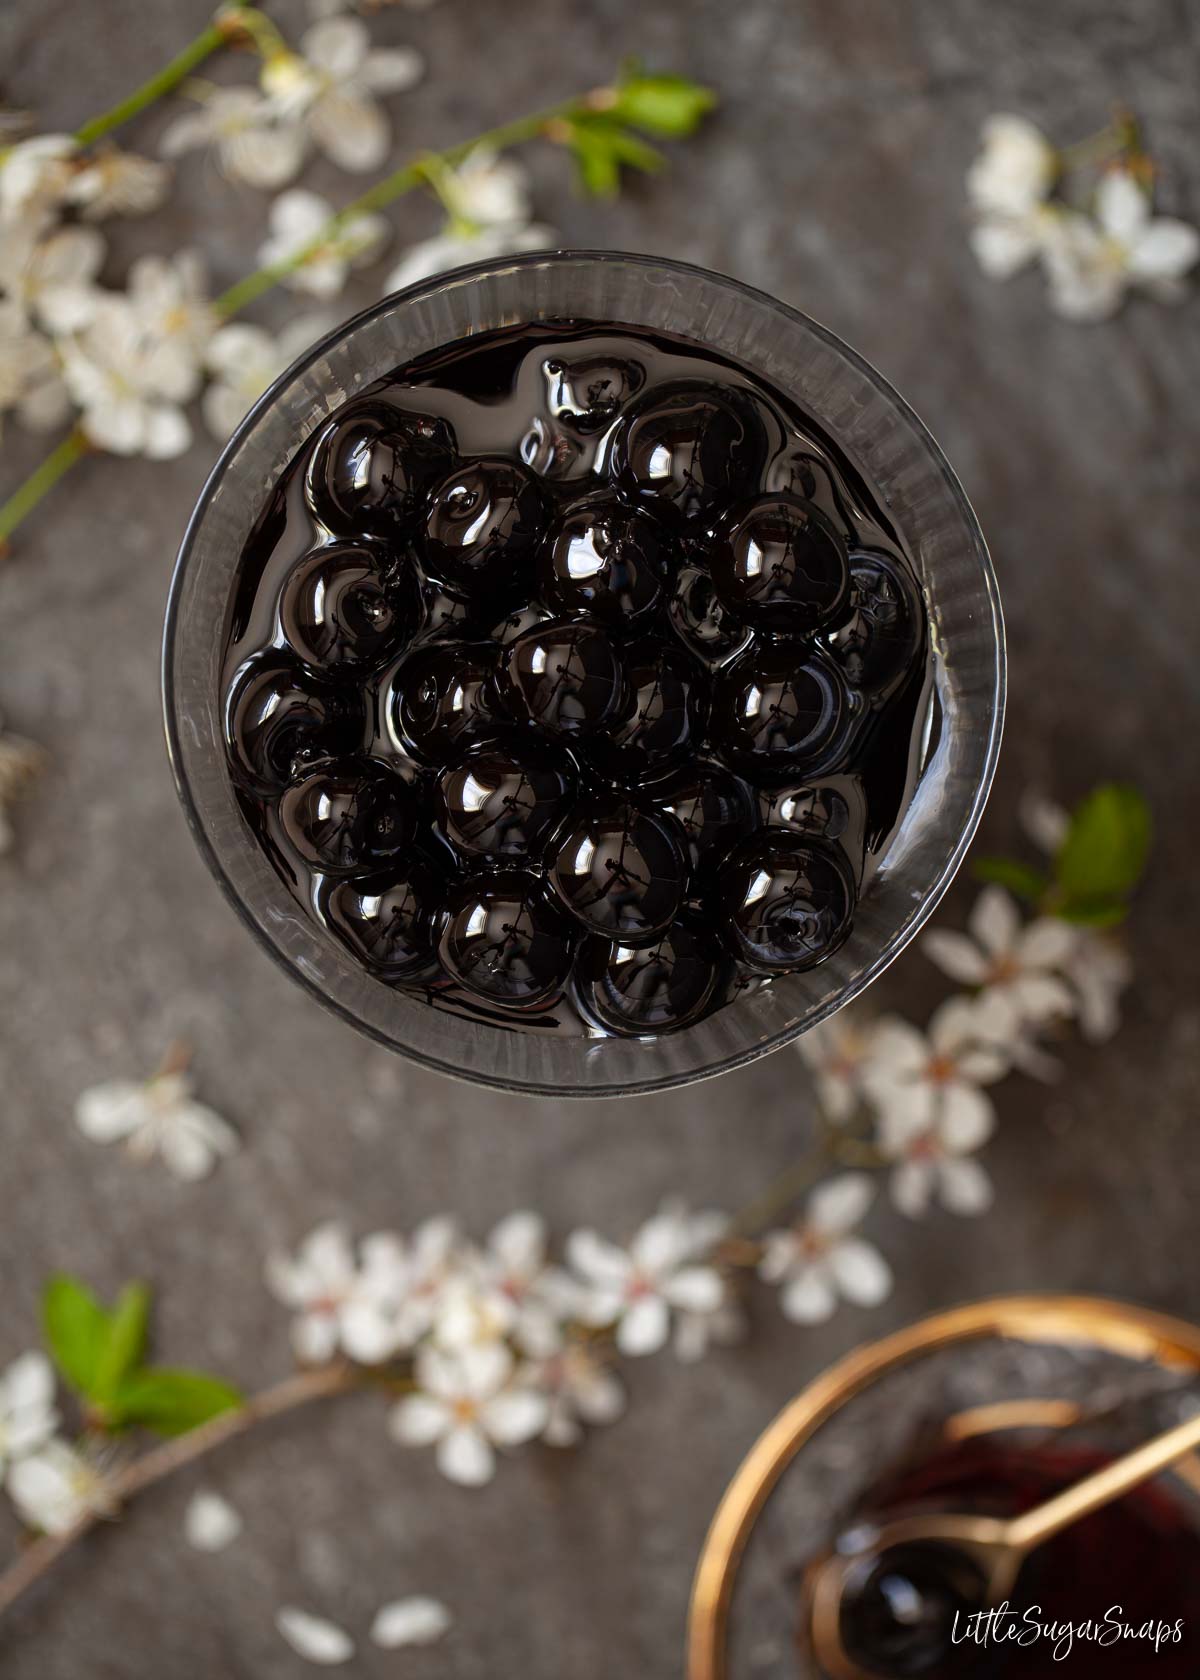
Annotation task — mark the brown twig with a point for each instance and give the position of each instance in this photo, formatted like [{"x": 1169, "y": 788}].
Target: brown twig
[{"x": 297, "y": 1390}]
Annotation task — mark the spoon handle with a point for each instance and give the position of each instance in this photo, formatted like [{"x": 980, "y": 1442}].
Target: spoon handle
[{"x": 1103, "y": 1486}]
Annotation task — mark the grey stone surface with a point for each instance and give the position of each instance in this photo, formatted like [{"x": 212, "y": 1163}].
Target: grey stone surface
[{"x": 832, "y": 178}]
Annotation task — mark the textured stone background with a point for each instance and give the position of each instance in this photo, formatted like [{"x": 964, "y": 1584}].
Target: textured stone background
[{"x": 834, "y": 179}]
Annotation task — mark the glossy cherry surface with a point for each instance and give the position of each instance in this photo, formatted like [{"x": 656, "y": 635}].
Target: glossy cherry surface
[
  {"x": 606, "y": 560},
  {"x": 566, "y": 677},
  {"x": 371, "y": 463},
  {"x": 638, "y": 990},
  {"x": 779, "y": 711},
  {"x": 783, "y": 902},
  {"x": 779, "y": 565},
  {"x": 714, "y": 808},
  {"x": 348, "y": 604},
  {"x": 622, "y": 870},
  {"x": 898, "y": 1615},
  {"x": 280, "y": 720},
  {"x": 666, "y": 709},
  {"x": 884, "y": 627},
  {"x": 702, "y": 620},
  {"x": 442, "y": 694},
  {"x": 482, "y": 526},
  {"x": 348, "y": 817},
  {"x": 505, "y": 800},
  {"x": 693, "y": 449},
  {"x": 504, "y": 940},
  {"x": 389, "y": 922}
]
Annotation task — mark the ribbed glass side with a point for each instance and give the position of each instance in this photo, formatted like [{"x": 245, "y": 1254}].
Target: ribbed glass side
[{"x": 894, "y": 451}]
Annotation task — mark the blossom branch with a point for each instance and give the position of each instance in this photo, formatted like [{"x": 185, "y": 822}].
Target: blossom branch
[
  {"x": 39, "y": 483},
  {"x": 226, "y": 27},
  {"x": 293, "y": 1392}
]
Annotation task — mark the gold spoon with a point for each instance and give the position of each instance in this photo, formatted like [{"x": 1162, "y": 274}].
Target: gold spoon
[{"x": 998, "y": 1546}]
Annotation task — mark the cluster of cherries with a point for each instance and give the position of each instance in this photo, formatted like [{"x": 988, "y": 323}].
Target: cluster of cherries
[{"x": 537, "y": 743}]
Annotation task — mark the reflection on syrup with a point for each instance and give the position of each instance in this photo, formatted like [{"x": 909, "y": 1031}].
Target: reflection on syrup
[{"x": 576, "y": 680}]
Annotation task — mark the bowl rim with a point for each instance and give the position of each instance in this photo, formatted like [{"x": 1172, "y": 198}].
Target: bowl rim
[{"x": 536, "y": 260}]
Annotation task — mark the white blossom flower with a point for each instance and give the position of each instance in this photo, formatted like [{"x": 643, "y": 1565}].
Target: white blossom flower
[
  {"x": 210, "y": 1522},
  {"x": 52, "y": 279},
  {"x": 157, "y": 1117},
  {"x": 244, "y": 360},
  {"x": 637, "y": 1288},
  {"x": 317, "y": 1640},
  {"x": 818, "y": 1260},
  {"x": 27, "y": 1413},
  {"x": 932, "y": 1160},
  {"x": 1091, "y": 263},
  {"x": 411, "y": 1621},
  {"x": 468, "y": 1403},
  {"x": 56, "y": 1486},
  {"x": 116, "y": 183},
  {"x": 299, "y": 222},
  {"x": 1099, "y": 969},
  {"x": 330, "y": 86},
  {"x": 253, "y": 140},
  {"x": 838, "y": 1051},
  {"x": 322, "y": 1284},
  {"x": 508, "y": 1290},
  {"x": 35, "y": 177},
  {"x": 1007, "y": 186},
  {"x": 488, "y": 189},
  {"x": 1017, "y": 968},
  {"x": 923, "y": 1077},
  {"x": 450, "y": 249},
  {"x": 1046, "y": 822},
  {"x": 578, "y": 1388},
  {"x": 139, "y": 359},
  {"x": 20, "y": 763}
]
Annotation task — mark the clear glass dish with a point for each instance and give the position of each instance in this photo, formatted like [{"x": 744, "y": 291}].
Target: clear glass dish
[{"x": 874, "y": 426}]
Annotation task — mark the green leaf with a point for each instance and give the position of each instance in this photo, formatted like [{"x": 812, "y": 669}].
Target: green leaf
[
  {"x": 172, "y": 1401},
  {"x": 600, "y": 147},
  {"x": 1092, "y": 912},
  {"x": 125, "y": 1343},
  {"x": 1105, "y": 851},
  {"x": 1019, "y": 878},
  {"x": 668, "y": 106},
  {"x": 76, "y": 1328}
]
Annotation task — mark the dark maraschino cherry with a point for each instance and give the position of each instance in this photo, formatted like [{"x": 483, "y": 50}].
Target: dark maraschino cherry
[
  {"x": 779, "y": 565},
  {"x": 505, "y": 799},
  {"x": 693, "y": 449},
  {"x": 348, "y": 604},
  {"x": 622, "y": 870},
  {"x": 483, "y": 523},
  {"x": 443, "y": 695},
  {"x": 702, "y": 620},
  {"x": 504, "y": 940},
  {"x": 783, "y": 901},
  {"x": 666, "y": 710},
  {"x": 348, "y": 817},
  {"x": 606, "y": 560},
  {"x": 712, "y": 806},
  {"x": 565, "y": 714},
  {"x": 884, "y": 627},
  {"x": 639, "y": 990},
  {"x": 280, "y": 720},
  {"x": 779, "y": 711},
  {"x": 370, "y": 464},
  {"x": 565, "y": 676},
  {"x": 389, "y": 921},
  {"x": 899, "y": 1613}
]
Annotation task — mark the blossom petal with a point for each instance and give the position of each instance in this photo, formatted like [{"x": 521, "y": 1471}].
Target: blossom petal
[
  {"x": 28, "y": 1383},
  {"x": 911, "y": 1186},
  {"x": 840, "y": 1204},
  {"x": 210, "y": 1522},
  {"x": 194, "y": 1138},
  {"x": 967, "y": 1118},
  {"x": 315, "y": 1337},
  {"x": 465, "y": 1455},
  {"x": 808, "y": 1297},
  {"x": 514, "y": 1417},
  {"x": 695, "y": 1289},
  {"x": 1045, "y": 943},
  {"x": 419, "y": 1419},
  {"x": 1122, "y": 206},
  {"x": 368, "y": 1334},
  {"x": 860, "y": 1271},
  {"x": 392, "y": 69},
  {"x": 1165, "y": 250},
  {"x": 965, "y": 1186},
  {"x": 318, "y": 1641},
  {"x": 519, "y": 1242},
  {"x": 1003, "y": 245},
  {"x": 336, "y": 46},
  {"x": 645, "y": 1327},
  {"x": 597, "y": 1259},
  {"x": 995, "y": 920},
  {"x": 111, "y": 1111},
  {"x": 955, "y": 955},
  {"x": 410, "y": 1621},
  {"x": 351, "y": 129}
]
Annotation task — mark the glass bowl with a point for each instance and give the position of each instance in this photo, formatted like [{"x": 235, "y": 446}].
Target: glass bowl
[
  {"x": 877, "y": 430},
  {"x": 1040, "y": 1372}
]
